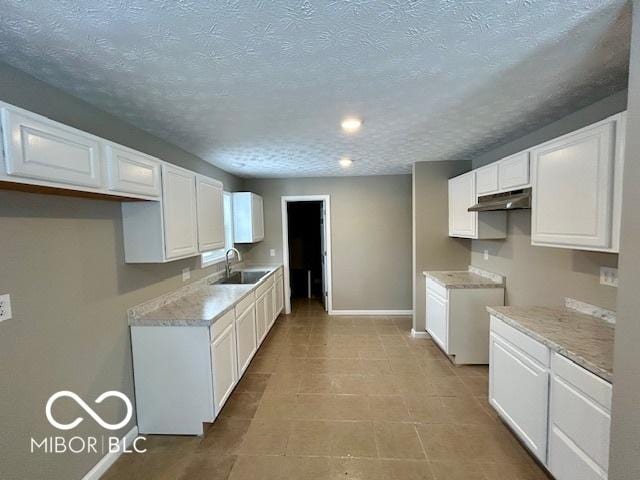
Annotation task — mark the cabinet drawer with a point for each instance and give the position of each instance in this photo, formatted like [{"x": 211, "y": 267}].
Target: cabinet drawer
[
  {"x": 132, "y": 172},
  {"x": 513, "y": 171},
  {"x": 487, "y": 179},
  {"x": 42, "y": 149},
  {"x": 266, "y": 285},
  {"x": 576, "y": 419},
  {"x": 526, "y": 344},
  {"x": 221, "y": 324},
  {"x": 590, "y": 384},
  {"x": 245, "y": 303},
  {"x": 436, "y": 289}
]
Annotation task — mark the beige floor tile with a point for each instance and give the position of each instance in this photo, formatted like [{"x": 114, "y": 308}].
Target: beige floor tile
[
  {"x": 398, "y": 440},
  {"x": 204, "y": 465},
  {"x": 478, "y": 386},
  {"x": 242, "y": 405},
  {"x": 390, "y": 408},
  {"x": 353, "y": 439},
  {"x": 253, "y": 382},
  {"x": 313, "y": 437},
  {"x": 260, "y": 467},
  {"x": 282, "y": 383},
  {"x": 268, "y": 437},
  {"x": 225, "y": 436},
  {"x": 350, "y": 407},
  {"x": 316, "y": 383},
  {"x": 349, "y": 384},
  {"x": 448, "y": 386},
  {"x": 405, "y": 470},
  {"x": 458, "y": 470},
  {"x": 382, "y": 384},
  {"x": 354, "y": 469},
  {"x": 444, "y": 443},
  {"x": 500, "y": 471},
  {"x": 465, "y": 410},
  {"x": 425, "y": 409},
  {"x": 314, "y": 407},
  {"x": 306, "y": 468},
  {"x": 376, "y": 367},
  {"x": 274, "y": 406}
]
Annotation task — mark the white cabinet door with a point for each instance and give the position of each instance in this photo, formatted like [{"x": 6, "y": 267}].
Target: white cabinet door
[
  {"x": 224, "y": 366},
  {"x": 279, "y": 291},
  {"x": 462, "y": 195},
  {"x": 45, "y": 150},
  {"x": 513, "y": 171},
  {"x": 179, "y": 202},
  {"x": 246, "y": 338},
  {"x": 132, "y": 172},
  {"x": 248, "y": 217},
  {"x": 257, "y": 217},
  {"x": 210, "y": 214},
  {"x": 270, "y": 307},
  {"x": 437, "y": 312},
  {"x": 487, "y": 179},
  {"x": 518, "y": 390},
  {"x": 261, "y": 318},
  {"x": 573, "y": 189}
]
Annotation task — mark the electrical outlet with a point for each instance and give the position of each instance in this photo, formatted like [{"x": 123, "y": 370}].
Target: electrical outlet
[
  {"x": 272, "y": 252},
  {"x": 486, "y": 254},
  {"x": 186, "y": 274},
  {"x": 5, "y": 307},
  {"x": 609, "y": 276}
]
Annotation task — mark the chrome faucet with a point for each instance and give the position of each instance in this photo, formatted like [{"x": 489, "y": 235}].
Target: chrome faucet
[{"x": 227, "y": 267}]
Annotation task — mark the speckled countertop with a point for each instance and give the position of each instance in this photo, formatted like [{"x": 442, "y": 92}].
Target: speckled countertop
[
  {"x": 585, "y": 339},
  {"x": 201, "y": 306},
  {"x": 473, "y": 278}
]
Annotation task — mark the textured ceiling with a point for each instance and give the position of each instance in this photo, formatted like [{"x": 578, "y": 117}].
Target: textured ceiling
[{"x": 259, "y": 88}]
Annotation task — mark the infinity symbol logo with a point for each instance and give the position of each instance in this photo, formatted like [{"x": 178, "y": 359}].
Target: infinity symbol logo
[{"x": 89, "y": 410}]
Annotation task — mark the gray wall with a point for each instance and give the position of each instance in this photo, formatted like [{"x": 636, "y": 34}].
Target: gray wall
[
  {"x": 543, "y": 275},
  {"x": 370, "y": 230},
  {"x": 62, "y": 261},
  {"x": 432, "y": 247},
  {"x": 625, "y": 429}
]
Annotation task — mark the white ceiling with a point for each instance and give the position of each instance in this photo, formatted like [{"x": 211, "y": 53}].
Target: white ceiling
[{"x": 259, "y": 88}]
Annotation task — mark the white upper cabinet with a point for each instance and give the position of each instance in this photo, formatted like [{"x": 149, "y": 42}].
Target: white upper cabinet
[
  {"x": 41, "y": 149},
  {"x": 487, "y": 179},
  {"x": 210, "y": 198},
  {"x": 573, "y": 180},
  {"x": 129, "y": 171},
  {"x": 180, "y": 222},
  {"x": 462, "y": 195},
  {"x": 465, "y": 224},
  {"x": 248, "y": 217},
  {"x": 513, "y": 171}
]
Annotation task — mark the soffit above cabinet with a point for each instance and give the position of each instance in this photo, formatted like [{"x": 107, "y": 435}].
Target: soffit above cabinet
[{"x": 259, "y": 88}]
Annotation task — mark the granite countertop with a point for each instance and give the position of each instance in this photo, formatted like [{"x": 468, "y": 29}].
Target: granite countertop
[
  {"x": 199, "y": 306},
  {"x": 584, "y": 338},
  {"x": 472, "y": 278}
]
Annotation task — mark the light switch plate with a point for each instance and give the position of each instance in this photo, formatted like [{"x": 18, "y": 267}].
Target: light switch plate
[
  {"x": 186, "y": 274},
  {"x": 609, "y": 276},
  {"x": 272, "y": 252},
  {"x": 5, "y": 307}
]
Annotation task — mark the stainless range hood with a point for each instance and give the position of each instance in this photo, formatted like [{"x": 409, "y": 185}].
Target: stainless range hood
[{"x": 503, "y": 201}]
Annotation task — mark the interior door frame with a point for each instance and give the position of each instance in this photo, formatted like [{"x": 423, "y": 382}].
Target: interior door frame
[{"x": 326, "y": 204}]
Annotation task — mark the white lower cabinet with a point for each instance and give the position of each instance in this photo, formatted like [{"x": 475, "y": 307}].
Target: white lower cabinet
[
  {"x": 519, "y": 387},
  {"x": 224, "y": 365},
  {"x": 579, "y": 423},
  {"x": 560, "y": 411},
  {"x": 457, "y": 320},
  {"x": 246, "y": 337},
  {"x": 185, "y": 374}
]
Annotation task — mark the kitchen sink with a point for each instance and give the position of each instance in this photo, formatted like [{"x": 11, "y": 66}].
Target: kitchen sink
[{"x": 243, "y": 278}]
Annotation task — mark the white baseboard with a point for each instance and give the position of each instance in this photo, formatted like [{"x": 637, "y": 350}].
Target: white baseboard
[
  {"x": 109, "y": 459},
  {"x": 418, "y": 334},
  {"x": 371, "y": 312}
]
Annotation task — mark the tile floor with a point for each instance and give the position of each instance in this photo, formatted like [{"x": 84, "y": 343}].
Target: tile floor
[{"x": 344, "y": 398}]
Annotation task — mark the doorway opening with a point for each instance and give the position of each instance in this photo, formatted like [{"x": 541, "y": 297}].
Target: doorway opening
[{"x": 306, "y": 249}]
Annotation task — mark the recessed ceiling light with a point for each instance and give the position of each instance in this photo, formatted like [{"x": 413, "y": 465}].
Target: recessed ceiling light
[
  {"x": 351, "y": 124},
  {"x": 345, "y": 162}
]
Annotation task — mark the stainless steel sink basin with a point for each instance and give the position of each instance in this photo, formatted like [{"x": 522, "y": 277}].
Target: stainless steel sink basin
[{"x": 243, "y": 278}]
